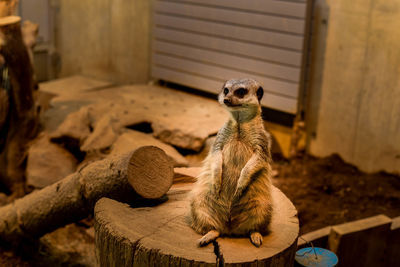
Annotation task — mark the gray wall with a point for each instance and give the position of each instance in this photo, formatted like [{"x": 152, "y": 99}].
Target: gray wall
[
  {"x": 354, "y": 107},
  {"x": 105, "y": 39}
]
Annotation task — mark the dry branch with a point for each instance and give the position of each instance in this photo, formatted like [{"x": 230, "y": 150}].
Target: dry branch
[{"x": 73, "y": 198}]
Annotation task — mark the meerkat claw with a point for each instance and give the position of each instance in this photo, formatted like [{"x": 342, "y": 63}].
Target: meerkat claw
[
  {"x": 256, "y": 238},
  {"x": 208, "y": 238}
]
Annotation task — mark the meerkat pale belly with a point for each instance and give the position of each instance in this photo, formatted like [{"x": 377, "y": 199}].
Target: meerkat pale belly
[{"x": 235, "y": 156}]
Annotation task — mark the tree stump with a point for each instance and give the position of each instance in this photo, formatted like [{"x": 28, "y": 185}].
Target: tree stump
[{"x": 160, "y": 236}]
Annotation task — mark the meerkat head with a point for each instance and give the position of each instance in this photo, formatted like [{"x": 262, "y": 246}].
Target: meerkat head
[{"x": 243, "y": 95}]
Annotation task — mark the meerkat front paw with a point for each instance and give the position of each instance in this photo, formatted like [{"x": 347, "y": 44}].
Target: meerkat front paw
[
  {"x": 209, "y": 237},
  {"x": 256, "y": 238}
]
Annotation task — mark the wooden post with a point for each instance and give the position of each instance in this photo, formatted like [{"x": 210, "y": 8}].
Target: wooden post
[
  {"x": 160, "y": 236},
  {"x": 18, "y": 117},
  {"x": 392, "y": 252},
  {"x": 360, "y": 243}
]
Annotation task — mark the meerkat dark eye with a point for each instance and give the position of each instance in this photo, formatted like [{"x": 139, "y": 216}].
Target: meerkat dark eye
[
  {"x": 226, "y": 91},
  {"x": 241, "y": 92},
  {"x": 260, "y": 93}
]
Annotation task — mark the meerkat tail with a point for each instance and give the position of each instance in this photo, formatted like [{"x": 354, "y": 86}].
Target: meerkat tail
[
  {"x": 256, "y": 238},
  {"x": 209, "y": 237}
]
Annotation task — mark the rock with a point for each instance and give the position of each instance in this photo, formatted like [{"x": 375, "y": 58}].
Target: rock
[
  {"x": 68, "y": 246},
  {"x": 90, "y": 232},
  {"x": 76, "y": 126},
  {"x": 3, "y": 199},
  {"x": 131, "y": 140},
  {"x": 72, "y": 85},
  {"x": 64, "y": 96},
  {"x": 197, "y": 159},
  {"x": 48, "y": 163},
  {"x": 103, "y": 135},
  {"x": 178, "y": 118}
]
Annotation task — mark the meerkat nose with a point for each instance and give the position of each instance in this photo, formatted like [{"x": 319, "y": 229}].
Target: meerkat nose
[{"x": 227, "y": 102}]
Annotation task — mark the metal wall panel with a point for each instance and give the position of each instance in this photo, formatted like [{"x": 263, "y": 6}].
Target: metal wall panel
[{"x": 202, "y": 43}]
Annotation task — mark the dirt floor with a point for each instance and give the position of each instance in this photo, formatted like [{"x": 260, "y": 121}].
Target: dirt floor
[{"x": 325, "y": 191}]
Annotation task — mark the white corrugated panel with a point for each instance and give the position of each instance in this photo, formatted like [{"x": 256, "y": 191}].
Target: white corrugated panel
[{"x": 202, "y": 43}]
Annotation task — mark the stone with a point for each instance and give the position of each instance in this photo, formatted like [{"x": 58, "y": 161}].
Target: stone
[
  {"x": 178, "y": 118},
  {"x": 68, "y": 246},
  {"x": 131, "y": 140},
  {"x": 103, "y": 135},
  {"x": 48, "y": 163},
  {"x": 76, "y": 126},
  {"x": 72, "y": 85},
  {"x": 3, "y": 199},
  {"x": 196, "y": 159}
]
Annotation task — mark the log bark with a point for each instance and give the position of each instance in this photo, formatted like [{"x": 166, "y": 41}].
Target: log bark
[
  {"x": 72, "y": 198},
  {"x": 20, "y": 120},
  {"x": 160, "y": 236},
  {"x": 8, "y": 7}
]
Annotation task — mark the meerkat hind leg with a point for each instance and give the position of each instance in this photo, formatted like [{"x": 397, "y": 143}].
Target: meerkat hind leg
[
  {"x": 256, "y": 238},
  {"x": 209, "y": 237}
]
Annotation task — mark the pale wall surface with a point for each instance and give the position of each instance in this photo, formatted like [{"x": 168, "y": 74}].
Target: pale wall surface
[
  {"x": 356, "y": 108},
  {"x": 105, "y": 39}
]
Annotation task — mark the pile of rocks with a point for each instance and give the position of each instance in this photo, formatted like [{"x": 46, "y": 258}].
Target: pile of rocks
[{"x": 86, "y": 120}]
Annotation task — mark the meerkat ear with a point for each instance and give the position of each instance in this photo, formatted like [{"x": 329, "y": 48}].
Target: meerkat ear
[{"x": 260, "y": 93}]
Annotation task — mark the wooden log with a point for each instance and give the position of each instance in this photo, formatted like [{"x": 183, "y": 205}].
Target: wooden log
[
  {"x": 361, "y": 242},
  {"x": 160, "y": 236},
  {"x": 21, "y": 122},
  {"x": 147, "y": 169},
  {"x": 74, "y": 197}
]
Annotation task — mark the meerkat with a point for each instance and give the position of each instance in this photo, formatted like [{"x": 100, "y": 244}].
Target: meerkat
[{"x": 232, "y": 195}]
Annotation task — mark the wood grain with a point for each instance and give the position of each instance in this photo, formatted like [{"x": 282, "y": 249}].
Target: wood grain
[
  {"x": 150, "y": 172},
  {"x": 160, "y": 236}
]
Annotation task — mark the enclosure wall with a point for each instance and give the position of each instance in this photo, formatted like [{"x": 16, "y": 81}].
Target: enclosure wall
[
  {"x": 104, "y": 39},
  {"x": 355, "y": 84}
]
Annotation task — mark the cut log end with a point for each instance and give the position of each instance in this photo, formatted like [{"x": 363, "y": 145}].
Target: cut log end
[
  {"x": 150, "y": 172},
  {"x": 160, "y": 236},
  {"x": 9, "y": 20}
]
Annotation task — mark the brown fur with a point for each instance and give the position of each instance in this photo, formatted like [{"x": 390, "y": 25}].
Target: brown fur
[{"x": 232, "y": 195}]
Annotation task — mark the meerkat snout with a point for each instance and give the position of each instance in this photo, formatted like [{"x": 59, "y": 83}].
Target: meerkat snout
[{"x": 227, "y": 102}]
